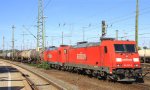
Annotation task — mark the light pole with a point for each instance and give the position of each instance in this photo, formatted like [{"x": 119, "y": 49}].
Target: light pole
[{"x": 144, "y": 53}]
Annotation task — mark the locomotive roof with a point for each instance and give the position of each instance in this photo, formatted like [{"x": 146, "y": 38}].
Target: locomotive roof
[
  {"x": 52, "y": 48},
  {"x": 86, "y": 44}
]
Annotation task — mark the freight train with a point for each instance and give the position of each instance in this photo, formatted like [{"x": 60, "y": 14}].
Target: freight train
[
  {"x": 26, "y": 56},
  {"x": 111, "y": 59}
]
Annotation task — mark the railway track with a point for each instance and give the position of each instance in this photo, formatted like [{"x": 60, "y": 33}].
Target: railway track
[
  {"x": 146, "y": 68},
  {"x": 148, "y": 64},
  {"x": 142, "y": 85},
  {"x": 145, "y": 64},
  {"x": 79, "y": 80},
  {"x": 36, "y": 84}
]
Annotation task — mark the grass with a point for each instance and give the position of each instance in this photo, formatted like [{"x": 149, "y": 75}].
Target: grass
[{"x": 44, "y": 65}]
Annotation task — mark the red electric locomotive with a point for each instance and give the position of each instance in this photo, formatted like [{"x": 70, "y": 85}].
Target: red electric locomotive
[{"x": 111, "y": 59}]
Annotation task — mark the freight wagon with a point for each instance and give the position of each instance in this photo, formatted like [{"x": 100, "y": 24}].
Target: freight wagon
[{"x": 144, "y": 54}]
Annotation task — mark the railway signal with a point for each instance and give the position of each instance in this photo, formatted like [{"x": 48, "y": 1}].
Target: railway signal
[{"x": 103, "y": 28}]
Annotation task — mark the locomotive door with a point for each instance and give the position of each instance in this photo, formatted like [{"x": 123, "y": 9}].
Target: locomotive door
[
  {"x": 59, "y": 55},
  {"x": 62, "y": 56},
  {"x": 102, "y": 56},
  {"x": 105, "y": 56},
  {"x": 65, "y": 55}
]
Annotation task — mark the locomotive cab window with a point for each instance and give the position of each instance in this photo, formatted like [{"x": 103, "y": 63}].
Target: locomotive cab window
[
  {"x": 119, "y": 48},
  {"x": 130, "y": 48},
  {"x": 125, "y": 48}
]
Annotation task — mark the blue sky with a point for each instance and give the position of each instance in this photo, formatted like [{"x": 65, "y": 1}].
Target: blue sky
[{"x": 75, "y": 14}]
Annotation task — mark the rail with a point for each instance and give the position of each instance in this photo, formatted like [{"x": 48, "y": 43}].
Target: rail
[
  {"x": 146, "y": 68},
  {"x": 32, "y": 85},
  {"x": 60, "y": 85}
]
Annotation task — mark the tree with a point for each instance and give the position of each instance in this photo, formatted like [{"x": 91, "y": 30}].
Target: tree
[
  {"x": 139, "y": 48},
  {"x": 145, "y": 47}
]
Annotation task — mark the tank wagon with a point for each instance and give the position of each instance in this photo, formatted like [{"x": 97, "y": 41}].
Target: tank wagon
[
  {"x": 9, "y": 55},
  {"x": 27, "y": 56},
  {"x": 144, "y": 54},
  {"x": 17, "y": 55},
  {"x": 3, "y": 55},
  {"x": 31, "y": 56},
  {"x": 111, "y": 59}
]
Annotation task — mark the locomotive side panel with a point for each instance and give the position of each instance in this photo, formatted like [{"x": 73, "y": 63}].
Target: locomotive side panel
[
  {"x": 52, "y": 56},
  {"x": 72, "y": 56},
  {"x": 93, "y": 56}
]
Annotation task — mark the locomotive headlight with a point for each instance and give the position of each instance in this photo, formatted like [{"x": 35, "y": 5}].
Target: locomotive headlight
[
  {"x": 135, "y": 59},
  {"x": 118, "y": 59},
  {"x": 136, "y": 65}
]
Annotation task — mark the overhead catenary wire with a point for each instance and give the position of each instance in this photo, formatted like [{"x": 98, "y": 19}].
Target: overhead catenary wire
[
  {"x": 49, "y": 1},
  {"x": 35, "y": 20},
  {"x": 134, "y": 35},
  {"x": 129, "y": 16},
  {"x": 125, "y": 18},
  {"x": 30, "y": 32}
]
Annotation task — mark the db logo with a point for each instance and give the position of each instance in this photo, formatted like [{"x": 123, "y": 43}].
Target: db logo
[
  {"x": 49, "y": 56},
  {"x": 81, "y": 56}
]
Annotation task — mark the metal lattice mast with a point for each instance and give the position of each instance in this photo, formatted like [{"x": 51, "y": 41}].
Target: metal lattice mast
[
  {"x": 3, "y": 44},
  {"x": 116, "y": 34},
  {"x": 23, "y": 40},
  {"x": 23, "y": 34},
  {"x": 62, "y": 38},
  {"x": 13, "y": 41},
  {"x": 40, "y": 31},
  {"x": 136, "y": 21}
]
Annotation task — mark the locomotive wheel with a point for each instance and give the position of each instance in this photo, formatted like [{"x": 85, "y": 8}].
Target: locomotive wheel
[
  {"x": 140, "y": 80},
  {"x": 94, "y": 73}
]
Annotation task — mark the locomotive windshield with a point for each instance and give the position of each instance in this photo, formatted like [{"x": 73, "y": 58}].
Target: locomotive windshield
[{"x": 125, "y": 48}]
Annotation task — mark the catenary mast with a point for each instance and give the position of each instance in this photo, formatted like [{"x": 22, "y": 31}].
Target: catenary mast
[
  {"x": 136, "y": 22},
  {"x": 40, "y": 26}
]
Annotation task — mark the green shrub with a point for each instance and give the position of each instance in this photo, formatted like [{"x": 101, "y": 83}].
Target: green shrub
[{"x": 44, "y": 65}]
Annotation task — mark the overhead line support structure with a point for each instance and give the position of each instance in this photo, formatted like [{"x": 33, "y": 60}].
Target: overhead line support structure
[
  {"x": 13, "y": 42},
  {"x": 136, "y": 22},
  {"x": 40, "y": 26},
  {"x": 116, "y": 34},
  {"x": 3, "y": 43}
]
